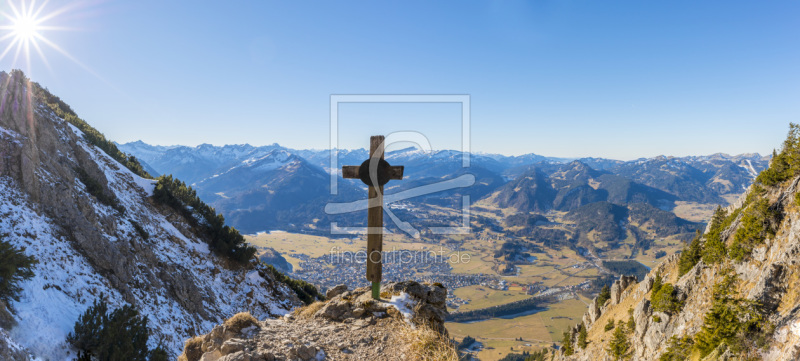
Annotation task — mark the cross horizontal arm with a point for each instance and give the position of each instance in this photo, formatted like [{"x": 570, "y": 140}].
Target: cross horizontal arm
[
  {"x": 396, "y": 172},
  {"x": 351, "y": 171}
]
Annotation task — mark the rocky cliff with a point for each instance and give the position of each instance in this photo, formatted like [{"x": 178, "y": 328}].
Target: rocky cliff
[
  {"x": 95, "y": 229},
  {"x": 407, "y": 323},
  {"x": 733, "y": 294}
]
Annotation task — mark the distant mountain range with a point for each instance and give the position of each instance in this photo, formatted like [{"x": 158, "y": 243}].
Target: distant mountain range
[{"x": 269, "y": 187}]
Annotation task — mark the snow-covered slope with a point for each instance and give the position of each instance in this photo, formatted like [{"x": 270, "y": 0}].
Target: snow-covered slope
[{"x": 86, "y": 248}]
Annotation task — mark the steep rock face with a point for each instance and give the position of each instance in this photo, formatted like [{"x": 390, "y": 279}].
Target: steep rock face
[
  {"x": 126, "y": 247},
  {"x": 351, "y": 325},
  {"x": 769, "y": 276}
]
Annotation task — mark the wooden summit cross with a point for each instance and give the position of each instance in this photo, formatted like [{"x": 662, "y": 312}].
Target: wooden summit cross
[{"x": 374, "y": 172}]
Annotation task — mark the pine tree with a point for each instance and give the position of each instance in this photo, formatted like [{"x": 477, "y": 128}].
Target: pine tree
[
  {"x": 619, "y": 346},
  {"x": 690, "y": 255},
  {"x": 88, "y": 330},
  {"x": 159, "y": 354},
  {"x": 124, "y": 337},
  {"x": 657, "y": 283},
  {"x": 605, "y": 295},
  {"x": 15, "y": 267},
  {"x": 566, "y": 344},
  {"x": 582, "y": 337},
  {"x": 714, "y": 249},
  {"x": 116, "y": 336}
]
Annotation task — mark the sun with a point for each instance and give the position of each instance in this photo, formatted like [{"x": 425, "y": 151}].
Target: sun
[
  {"x": 25, "y": 28},
  {"x": 22, "y": 30}
]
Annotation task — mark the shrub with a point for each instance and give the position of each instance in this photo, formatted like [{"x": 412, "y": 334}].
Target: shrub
[
  {"x": 665, "y": 299},
  {"x": 631, "y": 325},
  {"x": 656, "y": 318},
  {"x": 309, "y": 311},
  {"x": 240, "y": 321},
  {"x": 609, "y": 326},
  {"x": 119, "y": 335},
  {"x": 678, "y": 349},
  {"x": 758, "y": 223},
  {"x": 15, "y": 267},
  {"x": 192, "y": 349},
  {"x": 660, "y": 254},
  {"x": 426, "y": 344}
]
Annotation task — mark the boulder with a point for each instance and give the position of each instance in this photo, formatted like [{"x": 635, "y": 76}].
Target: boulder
[{"x": 335, "y": 291}]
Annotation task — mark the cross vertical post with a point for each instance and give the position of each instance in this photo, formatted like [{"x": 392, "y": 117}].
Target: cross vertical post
[
  {"x": 375, "y": 222},
  {"x": 374, "y": 172}
]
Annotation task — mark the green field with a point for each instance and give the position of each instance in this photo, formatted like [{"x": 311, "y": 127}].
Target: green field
[
  {"x": 482, "y": 297},
  {"x": 540, "y": 329}
]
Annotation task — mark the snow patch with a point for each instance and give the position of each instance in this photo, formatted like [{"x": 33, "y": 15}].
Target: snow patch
[
  {"x": 405, "y": 304},
  {"x": 64, "y": 284},
  {"x": 751, "y": 169},
  {"x": 148, "y": 185}
]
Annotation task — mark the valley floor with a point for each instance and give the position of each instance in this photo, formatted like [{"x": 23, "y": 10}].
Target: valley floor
[{"x": 471, "y": 285}]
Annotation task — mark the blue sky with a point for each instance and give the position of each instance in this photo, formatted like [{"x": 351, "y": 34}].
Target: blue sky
[{"x": 618, "y": 79}]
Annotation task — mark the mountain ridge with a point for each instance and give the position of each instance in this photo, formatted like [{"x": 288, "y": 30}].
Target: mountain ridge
[
  {"x": 95, "y": 229},
  {"x": 702, "y": 179},
  {"x": 140, "y": 147}
]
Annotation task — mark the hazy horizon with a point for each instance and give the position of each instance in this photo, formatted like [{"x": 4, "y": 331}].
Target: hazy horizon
[{"x": 473, "y": 152}]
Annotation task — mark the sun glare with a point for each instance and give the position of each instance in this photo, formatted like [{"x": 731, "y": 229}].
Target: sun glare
[
  {"x": 25, "y": 28},
  {"x": 21, "y": 29}
]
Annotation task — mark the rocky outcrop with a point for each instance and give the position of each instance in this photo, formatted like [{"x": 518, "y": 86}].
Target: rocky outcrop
[
  {"x": 95, "y": 229},
  {"x": 351, "y": 325},
  {"x": 425, "y": 304},
  {"x": 592, "y": 314},
  {"x": 617, "y": 291},
  {"x": 620, "y": 286},
  {"x": 770, "y": 276}
]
